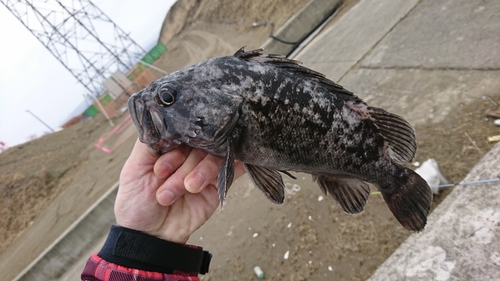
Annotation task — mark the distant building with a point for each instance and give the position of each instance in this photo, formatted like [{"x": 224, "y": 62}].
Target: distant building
[{"x": 119, "y": 86}]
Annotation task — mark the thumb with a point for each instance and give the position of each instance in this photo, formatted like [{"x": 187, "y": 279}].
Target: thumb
[
  {"x": 139, "y": 163},
  {"x": 142, "y": 155}
]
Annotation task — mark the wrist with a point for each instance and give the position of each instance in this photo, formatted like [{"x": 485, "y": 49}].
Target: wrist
[
  {"x": 173, "y": 234},
  {"x": 135, "y": 249}
]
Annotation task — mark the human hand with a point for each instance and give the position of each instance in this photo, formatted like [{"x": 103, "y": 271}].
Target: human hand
[{"x": 164, "y": 195}]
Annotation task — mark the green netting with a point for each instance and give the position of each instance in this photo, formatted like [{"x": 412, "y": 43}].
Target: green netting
[
  {"x": 106, "y": 99},
  {"x": 91, "y": 111},
  {"x": 155, "y": 53}
]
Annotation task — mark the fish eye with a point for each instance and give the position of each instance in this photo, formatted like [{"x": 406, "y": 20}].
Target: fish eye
[{"x": 166, "y": 96}]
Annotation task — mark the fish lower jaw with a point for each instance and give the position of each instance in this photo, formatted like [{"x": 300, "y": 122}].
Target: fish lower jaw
[{"x": 163, "y": 146}]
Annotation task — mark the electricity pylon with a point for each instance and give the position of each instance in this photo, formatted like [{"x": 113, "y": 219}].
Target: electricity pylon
[{"x": 86, "y": 41}]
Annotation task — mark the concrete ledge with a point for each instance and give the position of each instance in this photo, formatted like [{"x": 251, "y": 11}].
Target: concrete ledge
[
  {"x": 299, "y": 25},
  {"x": 74, "y": 242},
  {"x": 462, "y": 237}
]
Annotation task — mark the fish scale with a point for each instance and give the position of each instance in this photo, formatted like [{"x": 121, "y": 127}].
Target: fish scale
[{"x": 275, "y": 115}]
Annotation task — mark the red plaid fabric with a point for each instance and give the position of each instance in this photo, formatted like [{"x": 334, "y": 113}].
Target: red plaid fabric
[{"x": 98, "y": 269}]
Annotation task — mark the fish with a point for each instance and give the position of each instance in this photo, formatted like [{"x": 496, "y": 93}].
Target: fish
[{"x": 276, "y": 115}]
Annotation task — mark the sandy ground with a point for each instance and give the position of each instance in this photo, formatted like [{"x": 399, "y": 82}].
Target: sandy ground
[{"x": 47, "y": 183}]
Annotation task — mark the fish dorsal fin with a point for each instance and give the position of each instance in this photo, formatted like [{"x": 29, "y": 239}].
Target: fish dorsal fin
[
  {"x": 351, "y": 194},
  {"x": 398, "y": 134},
  {"x": 242, "y": 54},
  {"x": 268, "y": 181},
  {"x": 286, "y": 64}
]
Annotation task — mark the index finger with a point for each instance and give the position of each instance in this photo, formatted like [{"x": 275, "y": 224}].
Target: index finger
[{"x": 169, "y": 162}]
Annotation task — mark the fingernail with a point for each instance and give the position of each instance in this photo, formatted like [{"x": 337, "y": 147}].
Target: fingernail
[
  {"x": 165, "y": 197},
  {"x": 165, "y": 170},
  {"x": 195, "y": 182}
]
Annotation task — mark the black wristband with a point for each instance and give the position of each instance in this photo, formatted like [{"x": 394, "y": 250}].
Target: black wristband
[{"x": 135, "y": 249}]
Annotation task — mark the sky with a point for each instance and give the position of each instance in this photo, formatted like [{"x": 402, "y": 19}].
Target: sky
[{"x": 32, "y": 79}]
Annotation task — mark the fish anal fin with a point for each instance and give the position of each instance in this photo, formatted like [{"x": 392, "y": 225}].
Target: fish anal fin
[
  {"x": 410, "y": 202},
  {"x": 398, "y": 134},
  {"x": 268, "y": 181},
  {"x": 351, "y": 194}
]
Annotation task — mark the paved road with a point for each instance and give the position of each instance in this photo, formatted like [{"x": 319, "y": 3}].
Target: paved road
[{"x": 441, "y": 54}]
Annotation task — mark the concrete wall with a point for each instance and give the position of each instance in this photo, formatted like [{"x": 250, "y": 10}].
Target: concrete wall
[
  {"x": 300, "y": 25},
  {"x": 75, "y": 242}
]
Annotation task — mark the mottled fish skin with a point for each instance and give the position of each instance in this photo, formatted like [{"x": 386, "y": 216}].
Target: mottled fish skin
[{"x": 275, "y": 115}]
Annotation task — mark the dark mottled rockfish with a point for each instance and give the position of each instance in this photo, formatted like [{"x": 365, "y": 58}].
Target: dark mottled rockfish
[{"x": 275, "y": 116}]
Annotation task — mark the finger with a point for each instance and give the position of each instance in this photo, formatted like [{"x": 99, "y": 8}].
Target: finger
[
  {"x": 166, "y": 165},
  {"x": 211, "y": 195},
  {"x": 141, "y": 154},
  {"x": 210, "y": 165},
  {"x": 138, "y": 164},
  {"x": 174, "y": 188},
  {"x": 239, "y": 169},
  {"x": 204, "y": 173}
]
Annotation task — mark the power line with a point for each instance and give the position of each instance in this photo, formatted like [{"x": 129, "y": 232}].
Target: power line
[{"x": 84, "y": 39}]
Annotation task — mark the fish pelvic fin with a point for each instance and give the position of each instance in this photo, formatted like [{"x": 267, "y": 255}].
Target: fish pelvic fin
[
  {"x": 268, "y": 181},
  {"x": 288, "y": 174},
  {"x": 226, "y": 173},
  {"x": 398, "y": 134},
  {"x": 410, "y": 201},
  {"x": 351, "y": 194}
]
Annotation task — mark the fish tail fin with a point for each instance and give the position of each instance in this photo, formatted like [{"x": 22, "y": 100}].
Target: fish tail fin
[{"x": 409, "y": 199}]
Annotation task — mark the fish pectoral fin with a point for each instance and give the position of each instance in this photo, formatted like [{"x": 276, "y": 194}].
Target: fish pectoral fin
[
  {"x": 268, "y": 181},
  {"x": 398, "y": 134},
  {"x": 226, "y": 173},
  {"x": 351, "y": 194}
]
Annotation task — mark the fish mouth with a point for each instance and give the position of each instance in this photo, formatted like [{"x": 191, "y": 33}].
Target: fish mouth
[
  {"x": 147, "y": 123},
  {"x": 150, "y": 125}
]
